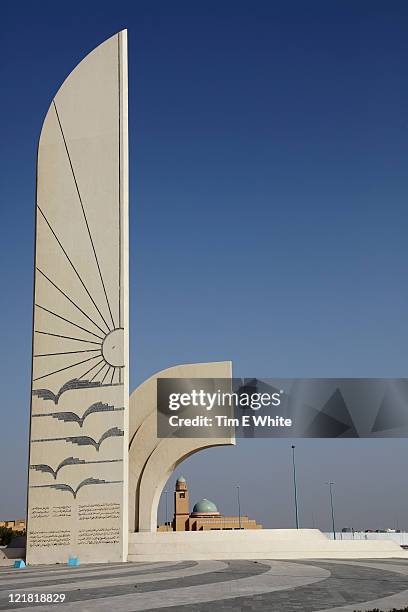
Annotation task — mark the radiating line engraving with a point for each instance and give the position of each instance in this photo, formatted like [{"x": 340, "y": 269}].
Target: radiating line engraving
[
  {"x": 72, "y": 265},
  {"x": 83, "y": 212}
]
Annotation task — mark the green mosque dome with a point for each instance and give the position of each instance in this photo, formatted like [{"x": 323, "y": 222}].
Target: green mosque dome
[
  {"x": 181, "y": 479},
  {"x": 204, "y": 506}
]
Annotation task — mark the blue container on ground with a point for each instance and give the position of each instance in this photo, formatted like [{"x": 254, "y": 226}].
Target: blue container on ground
[
  {"x": 19, "y": 563},
  {"x": 73, "y": 561}
]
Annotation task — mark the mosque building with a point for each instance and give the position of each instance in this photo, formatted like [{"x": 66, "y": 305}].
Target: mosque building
[{"x": 204, "y": 517}]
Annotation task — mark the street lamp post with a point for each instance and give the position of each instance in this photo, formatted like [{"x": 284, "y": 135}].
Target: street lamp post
[
  {"x": 239, "y": 507},
  {"x": 331, "y": 508},
  {"x": 295, "y": 486},
  {"x": 167, "y": 526}
]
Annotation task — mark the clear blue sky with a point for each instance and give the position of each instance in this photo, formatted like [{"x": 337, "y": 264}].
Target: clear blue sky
[{"x": 268, "y": 160}]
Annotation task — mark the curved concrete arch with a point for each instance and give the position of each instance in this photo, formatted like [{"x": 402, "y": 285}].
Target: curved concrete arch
[
  {"x": 152, "y": 460},
  {"x": 163, "y": 462}
]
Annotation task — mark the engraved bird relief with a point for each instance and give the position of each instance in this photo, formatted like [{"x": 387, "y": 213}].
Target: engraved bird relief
[
  {"x": 70, "y": 385},
  {"x": 84, "y": 483},
  {"x": 72, "y": 417},
  {"x": 87, "y": 440},
  {"x": 47, "y": 469}
]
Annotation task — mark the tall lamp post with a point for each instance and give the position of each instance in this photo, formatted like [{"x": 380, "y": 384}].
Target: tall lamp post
[
  {"x": 331, "y": 507},
  {"x": 165, "y": 494},
  {"x": 295, "y": 486},
  {"x": 239, "y": 507}
]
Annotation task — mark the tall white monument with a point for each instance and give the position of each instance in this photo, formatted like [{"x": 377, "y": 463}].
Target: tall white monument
[
  {"x": 94, "y": 473},
  {"x": 78, "y": 465}
]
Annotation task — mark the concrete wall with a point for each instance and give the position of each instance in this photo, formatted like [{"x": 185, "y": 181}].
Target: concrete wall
[{"x": 253, "y": 544}]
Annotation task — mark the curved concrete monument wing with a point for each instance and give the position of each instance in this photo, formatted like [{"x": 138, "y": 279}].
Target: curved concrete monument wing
[
  {"x": 152, "y": 460},
  {"x": 77, "y": 496}
]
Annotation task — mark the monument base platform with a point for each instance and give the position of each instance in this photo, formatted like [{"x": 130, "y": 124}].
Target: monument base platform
[{"x": 254, "y": 544}]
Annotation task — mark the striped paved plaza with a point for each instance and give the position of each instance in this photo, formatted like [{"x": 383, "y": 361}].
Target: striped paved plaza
[{"x": 209, "y": 586}]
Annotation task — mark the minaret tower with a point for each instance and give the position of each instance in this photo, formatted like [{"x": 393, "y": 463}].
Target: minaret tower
[{"x": 181, "y": 506}]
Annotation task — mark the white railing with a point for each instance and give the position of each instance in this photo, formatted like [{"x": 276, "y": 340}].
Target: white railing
[{"x": 399, "y": 538}]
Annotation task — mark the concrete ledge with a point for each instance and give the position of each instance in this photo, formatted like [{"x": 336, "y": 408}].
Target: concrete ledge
[
  {"x": 8, "y": 555},
  {"x": 253, "y": 544}
]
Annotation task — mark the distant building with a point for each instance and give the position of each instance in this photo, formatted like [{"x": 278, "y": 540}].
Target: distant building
[
  {"x": 16, "y": 525},
  {"x": 204, "y": 517}
]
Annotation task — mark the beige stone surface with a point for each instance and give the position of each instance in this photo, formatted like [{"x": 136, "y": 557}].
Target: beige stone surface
[
  {"x": 77, "y": 496},
  {"x": 253, "y": 544},
  {"x": 152, "y": 460}
]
